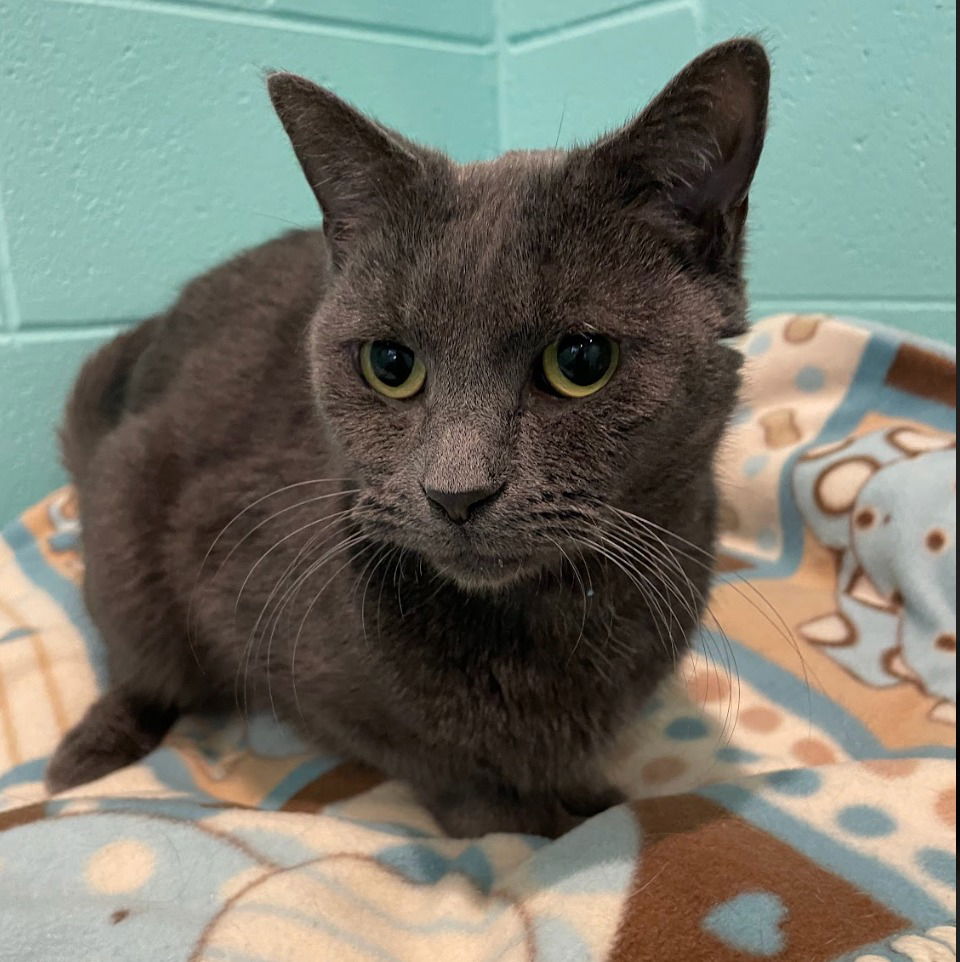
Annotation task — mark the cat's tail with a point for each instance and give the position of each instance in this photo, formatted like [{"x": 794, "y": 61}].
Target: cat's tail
[{"x": 99, "y": 397}]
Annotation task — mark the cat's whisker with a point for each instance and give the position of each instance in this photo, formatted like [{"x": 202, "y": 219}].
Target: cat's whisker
[
  {"x": 241, "y": 513},
  {"x": 638, "y": 579},
  {"x": 627, "y": 543},
  {"x": 391, "y": 555},
  {"x": 305, "y": 551},
  {"x": 291, "y": 507},
  {"x": 691, "y": 602},
  {"x": 291, "y": 591},
  {"x": 709, "y": 561},
  {"x": 601, "y": 654},
  {"x": 779, "y": 625},
  {"x": 437, "y": 579},
  {"x": 657, "y": 604},
  {"x": 655, "y": 598},
  {"x": 382, "y": 552},
  {"x": 773, "y": 617},
  {"x": 586, "y": 568},
  {"x": 654, "y": 609},
  {"x": 313, "y": 566},
  {"x": 329, "y": 518},
  {"x": 273, "y": 621},
  {"x": 251, "y": 639},
  {"x": 397, "y": 577},
  {"x": 349, "y": 544},
  {"x": 583, "y": 590},
  {"x": 327, "y": 521},
  {"x": 632, "y": 551}
]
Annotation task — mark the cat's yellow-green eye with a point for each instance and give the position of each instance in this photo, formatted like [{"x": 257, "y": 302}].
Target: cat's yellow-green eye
[
  {"x": 392, "y": 369},
  {"x": 578, "y": 365}
]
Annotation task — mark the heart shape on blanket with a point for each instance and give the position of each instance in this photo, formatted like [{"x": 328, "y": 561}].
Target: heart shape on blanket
[{"x": 749, "y": 923}]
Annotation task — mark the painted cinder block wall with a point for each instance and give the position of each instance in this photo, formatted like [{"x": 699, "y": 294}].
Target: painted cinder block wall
[{"x": 137, "y": 147}]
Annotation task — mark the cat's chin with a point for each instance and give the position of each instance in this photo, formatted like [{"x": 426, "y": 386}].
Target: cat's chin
[{"x": 482, "y": 574}]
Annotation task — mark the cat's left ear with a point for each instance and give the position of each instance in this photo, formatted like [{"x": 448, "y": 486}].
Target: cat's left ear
[
  {"x": 696, "y": 145},
  {"x": 356, "y": 168}
]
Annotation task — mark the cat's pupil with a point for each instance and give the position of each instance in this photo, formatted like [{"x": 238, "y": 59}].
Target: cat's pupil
[
  {"x": 583, "y": 358},
  {"x": 391, "y": 362}
]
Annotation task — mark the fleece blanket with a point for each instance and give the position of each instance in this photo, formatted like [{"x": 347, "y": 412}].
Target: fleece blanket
[{"x": 793, "y": 789}]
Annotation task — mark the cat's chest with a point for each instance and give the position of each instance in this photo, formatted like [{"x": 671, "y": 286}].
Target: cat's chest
[{"x": 512, "y": 677}]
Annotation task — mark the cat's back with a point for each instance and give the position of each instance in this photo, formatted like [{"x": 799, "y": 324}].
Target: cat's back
[
  {"x": 249, "y": 310},
  {"x": 241, "y": 322}
]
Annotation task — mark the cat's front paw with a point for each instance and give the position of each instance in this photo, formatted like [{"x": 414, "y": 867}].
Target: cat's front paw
[
  {"x": 587, "y": 802},
  {"x": 478, "y": 818},
  {"x": 548, "y": 814},
  {"x": 116, "y": 731}
]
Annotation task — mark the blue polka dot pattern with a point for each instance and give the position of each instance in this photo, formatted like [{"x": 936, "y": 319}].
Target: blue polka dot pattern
[
  {"x": 867, "y": 821},
  {"x": 939, "y": 864},
  {"x": 687, "y": 729},
  {"x": 754, "y": 465},
  {"x": 733, "y": 755},
  {"x": 801, "y": 782},
  {"x": 759, "y": 344},
  {"x": 809, "y": 379}
]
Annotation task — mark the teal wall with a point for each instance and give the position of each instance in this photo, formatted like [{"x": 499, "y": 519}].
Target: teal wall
[{"x": 137, "y": 147}]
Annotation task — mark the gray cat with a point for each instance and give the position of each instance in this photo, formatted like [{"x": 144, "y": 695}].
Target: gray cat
[{"x": 434, "y": 485}]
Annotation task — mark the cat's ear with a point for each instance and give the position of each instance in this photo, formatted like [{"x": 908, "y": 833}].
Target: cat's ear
[
  {"x": 355, "y": 167},
  {"x": 698, "y": 143}
]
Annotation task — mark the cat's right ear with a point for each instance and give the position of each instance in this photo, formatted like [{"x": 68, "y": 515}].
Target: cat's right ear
[
  {"x": 354, "y": 166},
  {"x": 696, "y": 146}
]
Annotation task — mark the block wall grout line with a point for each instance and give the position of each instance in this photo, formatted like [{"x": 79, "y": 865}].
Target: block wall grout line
[
  {"x": 9, "y": 303},
  {"x": 500, "y": 45},
  {"x": 699, "y": 22},
  {"x": 76, "y": 327},
  {"x": 69, "y": 323},
  {"x": 66, "y": 332},
  {"x": 866, "y": 300},
  {"x": 599, "y": 21},
  {"x": 297, "y": 23}
]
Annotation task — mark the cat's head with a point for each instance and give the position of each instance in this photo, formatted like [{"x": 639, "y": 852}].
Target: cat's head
[{"x": 508, "y": 347}]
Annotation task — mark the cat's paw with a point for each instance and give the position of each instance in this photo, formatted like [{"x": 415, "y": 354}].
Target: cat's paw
[
  {"x": 550, "y": 820},
  {"x": 116, "y": 731},
  {"x": 587, "y": 802},
  {"x": 550, "y": 815}
]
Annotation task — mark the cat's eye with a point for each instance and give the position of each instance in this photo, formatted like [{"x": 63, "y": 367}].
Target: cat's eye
[
  {"x": 578, "y": 365},
  {"x": 392, "y": 369}
]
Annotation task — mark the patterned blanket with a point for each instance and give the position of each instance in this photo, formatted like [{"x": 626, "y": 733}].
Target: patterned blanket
[{"x": 794, "y": 788}]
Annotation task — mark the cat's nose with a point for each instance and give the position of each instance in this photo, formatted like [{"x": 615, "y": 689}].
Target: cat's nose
[{"x": 458, "y": 505}]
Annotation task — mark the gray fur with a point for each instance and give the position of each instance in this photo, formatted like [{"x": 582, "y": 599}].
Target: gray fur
[{"x": 256, "y": 524}]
